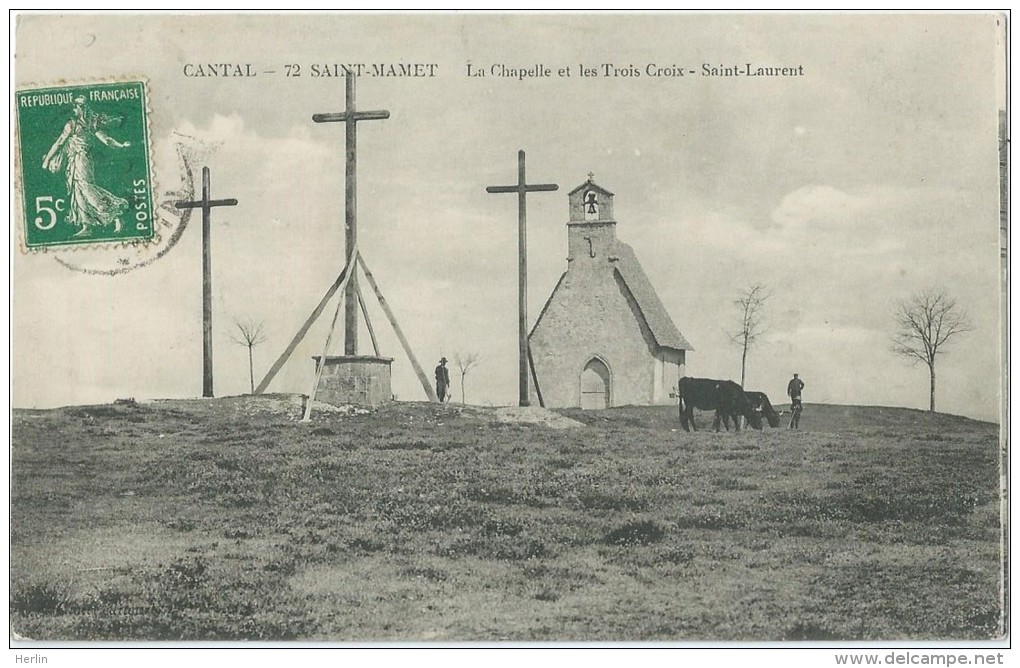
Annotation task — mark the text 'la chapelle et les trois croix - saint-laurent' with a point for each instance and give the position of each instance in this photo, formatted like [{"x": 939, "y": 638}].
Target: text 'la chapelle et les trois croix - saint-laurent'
[
  {"x": 497, "y": 70},
  {"x": 648, "y": 70}
]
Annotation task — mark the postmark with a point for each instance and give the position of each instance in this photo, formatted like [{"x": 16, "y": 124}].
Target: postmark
[
  {"x": 181, "y": 151},
  {"x": 84, "y": 165}
]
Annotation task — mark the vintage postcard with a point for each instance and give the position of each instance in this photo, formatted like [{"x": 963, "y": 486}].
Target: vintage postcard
[{"x": 430, "y": 328}]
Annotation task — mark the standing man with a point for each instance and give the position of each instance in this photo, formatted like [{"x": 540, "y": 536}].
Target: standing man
[
  {"x": 793, "y": 389},
  {"x": 442, "y": 380}
]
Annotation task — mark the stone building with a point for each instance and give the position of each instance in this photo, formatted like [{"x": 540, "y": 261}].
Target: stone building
[{"x": 603, "y": 338}]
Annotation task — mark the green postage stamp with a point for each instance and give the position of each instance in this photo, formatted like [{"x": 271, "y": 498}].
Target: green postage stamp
[{"x": 84, "y": 165}]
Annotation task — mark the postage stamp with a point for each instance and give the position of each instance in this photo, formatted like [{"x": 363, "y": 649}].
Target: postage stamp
[{"x": 84, "y": 165}]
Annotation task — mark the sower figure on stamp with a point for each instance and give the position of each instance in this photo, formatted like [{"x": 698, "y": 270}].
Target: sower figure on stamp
[
  {"x": 793, "y": 389},
  {"x": 442, "y": 380},
  {"x": 89, "y": 204}
]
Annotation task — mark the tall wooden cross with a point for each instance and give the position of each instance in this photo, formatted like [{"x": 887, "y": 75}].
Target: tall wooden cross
[
  {"x": 350, "y": 117},
  {"x": 522, "y": 189},
  {"x": 206, "y": 205},
  {"x": 347, "y": 280}
]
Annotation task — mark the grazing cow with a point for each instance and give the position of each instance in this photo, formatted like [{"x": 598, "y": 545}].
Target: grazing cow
[
  {"x": 760, "y": 402},
  {"x": 761, "y": 405},
  {"x": 723, "y": 396}
]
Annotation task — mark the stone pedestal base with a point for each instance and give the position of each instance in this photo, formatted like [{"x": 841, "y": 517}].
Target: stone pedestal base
[{"x": 362, "y": 380}]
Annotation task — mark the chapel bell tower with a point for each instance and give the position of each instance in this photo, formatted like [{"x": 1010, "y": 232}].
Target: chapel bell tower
[
  {"x": 591, "y": 229},
  {"x": 590, "y": 203}
]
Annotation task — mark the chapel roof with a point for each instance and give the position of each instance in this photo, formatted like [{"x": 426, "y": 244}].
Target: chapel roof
[
  {"x": 589, "y": 185},
  {"x": 650, "y": 307},
  {"x": 659, "y": 322}
]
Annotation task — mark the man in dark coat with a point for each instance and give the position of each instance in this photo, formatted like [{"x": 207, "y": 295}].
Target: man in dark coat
[
  {"x": 793, "y": 389},
  {"x": 442, "y": 380}
]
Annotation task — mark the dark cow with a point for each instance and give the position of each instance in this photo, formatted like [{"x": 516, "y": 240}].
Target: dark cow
[
  {"x": 760, "y": 402},
  {"x": 723, "y": 396},
  {"x": 761, "y": 405}
]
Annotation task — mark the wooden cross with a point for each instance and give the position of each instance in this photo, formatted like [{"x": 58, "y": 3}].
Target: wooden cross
[
  {"x": 352, "y": 293},
  {"x": 350, "y": 117},
  {"x": 522, "y": 189},
  {"x": 206, "y": 205}
]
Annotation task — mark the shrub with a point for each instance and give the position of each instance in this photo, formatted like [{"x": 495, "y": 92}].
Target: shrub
[
  {"x": 500, "y": 527},
  {"x": 735, "y": 484},
  {"x": 189, "y": 599},
  {"x": 426, "y": 514},
  {"x": 180, "y": 524},
  {"x": 811, "y": 631},
  {"x": 938, "y": 601},
  {"x": 529, "y": 495},
  {"x": 40, "y": 598},
  {"x": 677, "y": 555},
  {"x": 497, "y": 547},
  {"x": 103, "y": 412},
  {"x": 364, "y": 545},
  {"x": 427, "y": 573},
  {"x": 635, "y": 533},
  {"x": 711, "y": 519},
  {"x": 878, "y": 499},
  {"x": 547, "y": 595}
]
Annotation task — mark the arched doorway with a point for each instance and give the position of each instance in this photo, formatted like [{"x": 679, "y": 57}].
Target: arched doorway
[{"x": 595, "y": 384}]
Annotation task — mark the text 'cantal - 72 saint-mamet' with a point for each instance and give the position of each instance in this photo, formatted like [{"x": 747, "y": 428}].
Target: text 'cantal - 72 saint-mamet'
[{"x": 604, "y": 337}]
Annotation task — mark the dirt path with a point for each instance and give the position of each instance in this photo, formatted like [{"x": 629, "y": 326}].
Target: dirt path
[{"x": 535, "y": 415}]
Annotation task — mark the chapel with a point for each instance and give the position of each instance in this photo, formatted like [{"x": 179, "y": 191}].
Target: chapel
[{"x": 603, "y": 337}]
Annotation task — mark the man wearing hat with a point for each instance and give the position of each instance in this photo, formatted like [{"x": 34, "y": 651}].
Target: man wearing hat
[
  {"x": 793, "y": 389},
  {"x": 442, "y": 380}
]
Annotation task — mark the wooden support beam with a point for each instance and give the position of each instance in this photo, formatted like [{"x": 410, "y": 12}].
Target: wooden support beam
[
  {"x": 316, "y": 312},
  {"x": 368, "y": 321},
  {"x": 534, "y": 379},
  {"x": 429, "y": 390},
  {"x": 329, "y": 337}
]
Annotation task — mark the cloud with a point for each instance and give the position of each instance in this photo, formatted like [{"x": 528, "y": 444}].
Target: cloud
[{"x": 821, "y": 205}]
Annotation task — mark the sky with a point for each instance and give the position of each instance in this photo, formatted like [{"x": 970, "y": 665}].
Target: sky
[{"x": 846, "y": 190}]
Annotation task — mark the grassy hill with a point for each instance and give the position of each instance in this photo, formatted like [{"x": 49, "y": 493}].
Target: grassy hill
[{"x": 230, "y": 519}]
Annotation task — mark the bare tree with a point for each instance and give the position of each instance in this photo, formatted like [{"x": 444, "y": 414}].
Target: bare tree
[
  {"x": 751, "y": 306},
  {"x": 925, "y": 323},
  {"x": 465, "y": 362},
  {"x": 249, "y": 334}
]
